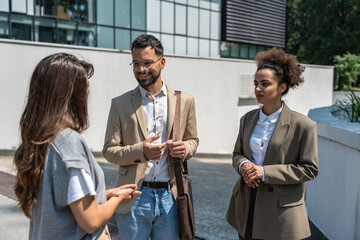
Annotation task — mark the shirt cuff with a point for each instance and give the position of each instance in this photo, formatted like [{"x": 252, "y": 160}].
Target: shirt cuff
[
  {"x": 245, "y": 161},
  {"x": 263, "y": 177}
]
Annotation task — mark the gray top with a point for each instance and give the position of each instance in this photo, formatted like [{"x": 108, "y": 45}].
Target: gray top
[{"x": 51, "y": 215}]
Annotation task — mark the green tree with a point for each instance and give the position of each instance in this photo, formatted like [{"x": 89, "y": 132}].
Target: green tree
[
  {"x": 317, "y": 30},
  {"x": 347, "y": 69}
]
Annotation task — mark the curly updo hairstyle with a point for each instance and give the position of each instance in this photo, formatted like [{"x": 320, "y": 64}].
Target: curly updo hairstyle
[{"x": 285, "y": 66}]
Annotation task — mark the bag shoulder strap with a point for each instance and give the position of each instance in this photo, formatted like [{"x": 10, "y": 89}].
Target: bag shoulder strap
[{"x": 176, "y": 136}]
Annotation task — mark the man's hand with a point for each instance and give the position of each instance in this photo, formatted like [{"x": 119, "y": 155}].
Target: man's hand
[
  {"x": 152, "y": 152},
  {"x": 252, "y": 174},
  {"x": 176, "y": 148}
]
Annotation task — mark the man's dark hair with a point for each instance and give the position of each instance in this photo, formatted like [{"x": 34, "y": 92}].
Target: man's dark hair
[{"x": 147, "y": 40}]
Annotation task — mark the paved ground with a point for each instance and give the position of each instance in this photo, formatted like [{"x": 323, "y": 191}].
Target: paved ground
[{"x": 213, "y": 180}]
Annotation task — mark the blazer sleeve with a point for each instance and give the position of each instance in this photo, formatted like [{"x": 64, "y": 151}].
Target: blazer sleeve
[
  {"x": 114, "y": 149},
  {"x": 190, "y": 137},
  {"x": 238, "y": 153},
  {"x": 305, "y": 169}
]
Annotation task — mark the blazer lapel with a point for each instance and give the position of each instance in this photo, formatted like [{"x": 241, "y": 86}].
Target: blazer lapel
[
  {"x": 171, "y": 109},
  {"x": 249, "y": 129},
  {"x": 139, "y": 111},
  {"x": 279, "y": 135}
]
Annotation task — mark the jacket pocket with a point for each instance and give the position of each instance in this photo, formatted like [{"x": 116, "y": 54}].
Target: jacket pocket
[
  {"x": 122, "y": 170},
  {"x": 291, "y": 200}
]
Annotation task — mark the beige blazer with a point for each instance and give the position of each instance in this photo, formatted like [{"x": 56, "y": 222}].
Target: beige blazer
[
  {"x": 290, "y": 161},
  {"x": 126, "y": 129}
]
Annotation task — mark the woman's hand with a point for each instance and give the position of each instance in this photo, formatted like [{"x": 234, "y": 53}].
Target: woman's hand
[
  {"x": 252, "y": 174},
  {"x": 125, "y": 192}
]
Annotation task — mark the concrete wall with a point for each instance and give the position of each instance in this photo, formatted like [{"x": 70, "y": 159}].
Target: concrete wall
[
  {"x": 213, "y": 82},
  {"x": 333, "y": 198}
]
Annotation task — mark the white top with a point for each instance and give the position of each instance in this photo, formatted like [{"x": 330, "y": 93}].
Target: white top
[
  {"x": 80, "y": 185},
  {"x": 156, "y": 116},
  {"x": 261, "y": 136}
]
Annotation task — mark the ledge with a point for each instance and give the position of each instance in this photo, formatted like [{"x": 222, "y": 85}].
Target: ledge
[{"x": 338, "y": 130}]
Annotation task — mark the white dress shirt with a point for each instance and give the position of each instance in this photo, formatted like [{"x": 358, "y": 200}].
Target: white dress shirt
[
  {"x": 260, "y": 138},
  {"x": 156, "y": 116}
]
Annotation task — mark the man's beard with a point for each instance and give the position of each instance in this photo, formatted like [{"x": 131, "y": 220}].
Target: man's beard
[{"x": 148, "y": 82}]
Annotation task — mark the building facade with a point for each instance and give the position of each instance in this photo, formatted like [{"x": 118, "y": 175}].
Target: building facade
[{"x": 205, "y": 28}]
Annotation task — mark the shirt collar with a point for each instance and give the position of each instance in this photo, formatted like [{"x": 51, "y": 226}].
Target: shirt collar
[
  {"x": 273, "y": 117},
  {"x": 145, "y": 94}
]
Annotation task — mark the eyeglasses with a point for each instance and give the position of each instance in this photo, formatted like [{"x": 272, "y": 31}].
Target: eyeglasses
[{"x": 146, "y": 64}]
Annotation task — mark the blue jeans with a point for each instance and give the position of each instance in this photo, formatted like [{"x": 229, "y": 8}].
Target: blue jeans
[{"x": 154, "y": 215}]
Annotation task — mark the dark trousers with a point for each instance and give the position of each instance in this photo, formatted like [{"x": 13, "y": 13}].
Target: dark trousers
[{"x": 249, "y": 224}]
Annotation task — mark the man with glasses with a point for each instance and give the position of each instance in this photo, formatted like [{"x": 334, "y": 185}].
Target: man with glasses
[{"x": 138, "y": 139}]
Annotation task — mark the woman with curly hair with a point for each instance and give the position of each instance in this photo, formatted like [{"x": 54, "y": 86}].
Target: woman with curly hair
[
  {"x": 59, "y": 184},
  {"x": 275, "y": 154}
]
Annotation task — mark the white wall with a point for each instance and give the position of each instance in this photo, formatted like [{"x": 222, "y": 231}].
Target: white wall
[
  {"x": 213, "y": 83},
  {"x": 333, "y": 198}
]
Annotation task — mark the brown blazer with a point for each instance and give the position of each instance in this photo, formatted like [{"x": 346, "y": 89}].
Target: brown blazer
[
  {"x": 290, "y": 161},
  {"x": 126, "y": 129}
]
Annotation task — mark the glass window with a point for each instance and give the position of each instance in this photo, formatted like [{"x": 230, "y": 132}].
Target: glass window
[
  {"x": 193, "y": 3},
  {"x": 216, "y": 5},
  {"x": 67, "y": 9},
  {"x": 105, "y": 37},
  {"x": 181, "y": 1},
  {"x": 30, "y": 7},
  {"x": 167, "y": 17},
  {"x": 47, "y": 8},
  {"x": 21, "y": 27},
  {"x": 122, "y": 39},
  {"x": 180, "y": 45},
  {"x": 4, "y": 27},
  {"x": 244, "y": 51},
  {"x": 18, "y": 6},
  {"x": 157, "y": 35},
  {"x": 66, "y": 32},
  {"x": 180, "y": 13},
  {"x": 45, "y": 30},
  {"x": 252, "y": 51},
  {"x": 204, "y": 48},
  {"x": 122, "y": 13},
  {"x": 86, "y": 35},
  {"x": 192, "y": 48},
  {"x": 225, "y": 49},
  {"x": 205, "y": 4},
  {"x": 215, "y": 25},
  {"x": 153, "y": 15},
  {"x": 204, "y": 23},
  {"x": 168, "y": 43},
  {"x": 234, "y": 50},
  {"x": 214, "y": 49},
  {"x": 87, "y": 10},
  {"x": 193, "y": 22},
  {"x": 4, "y": 6},
  {"x": 135, "y": 34},
  {"x": 105, "y": 12},
  {"x": 261, "y": 48},
  {"x": 138, "y": 13}
]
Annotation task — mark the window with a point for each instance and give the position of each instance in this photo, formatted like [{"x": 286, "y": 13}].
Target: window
[
  {"x": 138, "y": 14},
  {"x": 105, "y": 37},
  {"x": 21, "y": 27},
  {"x": 45, "y": 30}
]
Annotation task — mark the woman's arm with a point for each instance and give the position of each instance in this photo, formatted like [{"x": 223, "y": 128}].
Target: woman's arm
[
  {"x": 91, "y": 216},
  {"x": 305, "y": 169}
]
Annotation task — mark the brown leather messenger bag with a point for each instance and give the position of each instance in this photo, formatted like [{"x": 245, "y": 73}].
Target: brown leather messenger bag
[{"x": 183, "y": 182}]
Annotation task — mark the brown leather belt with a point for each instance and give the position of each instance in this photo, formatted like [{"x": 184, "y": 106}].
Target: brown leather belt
[{"x": 155, "y": 185}]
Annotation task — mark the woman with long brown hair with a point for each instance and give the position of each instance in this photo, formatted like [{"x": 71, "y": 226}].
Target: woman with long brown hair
[
  {"x": 59, "y": 184},
  {"x": 275, "y": 154}
]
